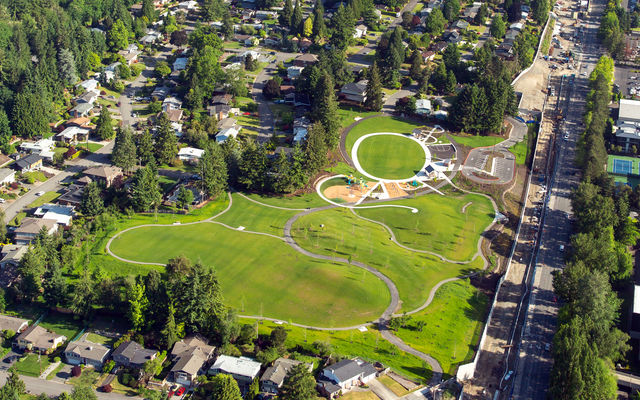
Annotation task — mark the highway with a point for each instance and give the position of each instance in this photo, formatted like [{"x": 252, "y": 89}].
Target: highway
[{"x": 534, "y": 360}]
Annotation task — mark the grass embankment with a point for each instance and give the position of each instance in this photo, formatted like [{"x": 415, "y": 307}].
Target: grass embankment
[
  {"x": 255, "y": 217},
  {"x": 47, "y": 197},
  {"x": 477, "y": 140}
]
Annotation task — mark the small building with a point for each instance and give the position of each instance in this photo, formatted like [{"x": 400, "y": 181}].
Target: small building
[
  {"x": 244, "y": 370},
  {"x": 355, "y": 91},
  {"x": 304, "y": 60},
  {"x": 38, "y": 147},
  {"x": 73, "y": 195},
  {"x": 171, "y": 103},
  {"x": 174, "y": 115},
  {"x": 226, "y": 133},
  {"x": 7, "y": 176},
  {"x": 32, "y": 162},
  {"x": 300, "y": 129},
  {"x": 73, "y": 135},
  {"x": 628, "y": 124},
  {"x": 90, "y": 97},
  {"x": 517, "y": 26},
  {"x": 30, "y": 228},
  {"x": 11, "y": 255},
  {"x": 360, "y": 31},
  {"x": 105, "y": 175},
  {"x": 428, "y": 56},
  {"x": 273, "y": 377},
  {"x": 227, "y": 123},
  {"x": 88, "y": 85},
  {"x": 341, "y": 377},
  {"x": 130, "y": 54},
  {"x": 8, "y": 323},
  {"x": 88, "y": 353},
  {"x": 62, "y": 214},
  {"x": 180, "y": 63},
  {"x": 160, "y": 92},
  {"x": 189, "y": 355},
  {"x": 132, "y": 354},
  {"x": 294, "y": 71},
  {"x": 190, "y": 154},
  {"x": 423, "y": 107},
  {"x": 39, "y": 340}
]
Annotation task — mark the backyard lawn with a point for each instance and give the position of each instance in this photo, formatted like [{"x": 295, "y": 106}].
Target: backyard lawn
[
  {"x": 439, "y": 225},
  {"x": 32, "y": 365},
  {"x": 391, "y": 157},
  {"x": 453, "y": 324},
  {"x": 62, "y": 324},
  {"x": 379, "y": 124},
  {"x": 261, "y": 275},
  {"x": 47, "y": 197}
]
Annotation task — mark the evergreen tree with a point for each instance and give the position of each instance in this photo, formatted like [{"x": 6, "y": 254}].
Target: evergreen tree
[
  {"x": 137, "y": 305},
  {"x": 227, "y": 26},
  {"x": 451, "y": 57},
  {"x": 254, "y": 389},
  {"x": 451, "y": 10},
  {"x": 326, "y": 110},
  {"x": 54, "y": 285},
  {"x": 67, "y": 67},
  {"x": 166, "y": 141},
  {"x": 124, "y": 149},
  {"x": 307, "y": 29},
  {"x": 30, "y": 117},
  {"x": 481, "y": 16},
  {"x": 170, "y": 331},
  {"x": 282, "y": 172},
  {"x": 316, "y": 148},
  {"x": 253, "y": 167},
  {"x": 298, "y": 384},
  {"x": 31, "y": 269},
  {"x": 415, "y": 72},
  {"x": 540, "y": 11},
  {"x": 451, "y": 84},
  {"x": 148, "y": 10},
  {"x": 435, "y": 22},
  {"x": 5, "y": 129},
  {"x": 145, "y": 148},
  {"x": 374, "y": 101},
  {"x": 343, "y": 26},
  {"x": 145, "y": 190},
  {"x": 118, "y": 36},
  {"x": 185, "y": 198},
  {"x": 104, "y": 126},
  {"x": 83, "y": 295},
  {"x": 319, "y": 28},
  {"x": 298, "y": 176},
  {"x": 498, "y": 27},
  {"x": 213, "y": 171},
  {"x": 285, "y": 15},
  {"x": 92, "y": 203},
  {"x": 3, "y": 227},
  {"x": 224, "y": 387},
  {"x": 14, "y": 387},
  {"x": 296, "y": 20}
]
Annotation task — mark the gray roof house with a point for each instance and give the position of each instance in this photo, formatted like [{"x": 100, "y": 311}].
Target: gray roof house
[
  {"x": 29, "y": 163},
  {"x": 87, "y": 353},
  {"x": 7, "y": 176},
  {"x": 30, "y": 227},
  {"x": 38, "y": 339},
  {"x": 273, "y": 376},
  {"x": 345, "y": 375},
  {"x": 8, "y": 323},
  {"x": 355, "y": 91},
  {"x": 244, "y": 370},
  {"x": 81, "y": 110},
  {"x": 189, "y": 355},
  {"x": 132, "y": 354},
  {"x": 11, "y": 255}
]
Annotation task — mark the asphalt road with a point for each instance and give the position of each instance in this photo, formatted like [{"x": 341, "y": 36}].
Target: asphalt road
[{"x": 534, "y": 361}]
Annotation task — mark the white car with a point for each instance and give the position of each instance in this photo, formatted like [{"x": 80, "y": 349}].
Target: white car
[
  {"x": 2, "y": 201},
  {"x": 39, "y": 194},
  {"x": 566, "y": 136}
]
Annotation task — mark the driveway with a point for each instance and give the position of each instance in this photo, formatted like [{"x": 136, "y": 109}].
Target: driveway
[{"x": 381, "y": 390}]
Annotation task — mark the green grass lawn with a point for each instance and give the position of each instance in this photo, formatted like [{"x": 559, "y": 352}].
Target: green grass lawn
[
  {"x": 166, "y": 183},
  {"x": 348, "y": 114},
  {"x": 89, "y": 377},
  {"x": 261, "y": 275},
  {"x": 31, "y": 366},
  {"x": 379, "y": 124},
  {"x": 307, "y": 200},
  {"x": 347, "y": 235},
  {"x": 454, "y": 322},
  {"x": 394, "y": 386},
  {"x": 391, "y": 157},
  {"x": 55, "y": 371},
  {"x": 477, "y": 140},
  {"x": 255, "y": 217},
  {"x": 368, "y": 345},
  {"x": 90, "y": 147},
  {"x": 36, "y": 175},
  {"x": 99, "y": 339},
  {"x": 47, "y": 197},
  {"x": 439, "y": 225},
  {"x": 62, "y": 324},
  {"x": 18, "y": 218}
]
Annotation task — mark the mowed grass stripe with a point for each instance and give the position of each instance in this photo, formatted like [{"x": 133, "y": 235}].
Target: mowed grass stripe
[
  {"x": 390, "y": 156},
  {"x": 439, "y": 226},
  {"x": 261, "y": 275},
  {"x": 378, "y": 124}
]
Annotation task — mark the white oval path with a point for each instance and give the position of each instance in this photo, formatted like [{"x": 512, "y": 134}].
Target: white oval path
[{"x": 356, "y": 162}]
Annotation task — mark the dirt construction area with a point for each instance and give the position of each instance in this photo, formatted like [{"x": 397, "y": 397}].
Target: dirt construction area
[{"x": 532, "y": 84}]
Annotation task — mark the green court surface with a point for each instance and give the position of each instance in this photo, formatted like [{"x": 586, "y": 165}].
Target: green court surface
[
  {"x": 379, "y": 124},
  {"x": 633, "y": 160},
  {"x": 261, "y": 275},
  {"x": 391, "y": 156}
]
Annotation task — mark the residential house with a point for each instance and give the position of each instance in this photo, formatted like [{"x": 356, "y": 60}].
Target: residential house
[
  {"x": 37, "y": 339},
  {"x": 89, "y": 85},
  {"x": 174, "y": 115},
  {"x": 11, "y": 255},
  {"x": 73, "y": 135},
  {"x": 453, "y": 37},
  {"x": 32, "y": 162},
  {"x": 171, "y": 103},
  {"x": 89, "y": 97},
  {"x": 460, "y": 24},
  {"x": 266, "y": 14},
  {"x": 628, "y": 124},
  {"x": 301, "y": 100},
  {"x": 222, "y": 99},
  {"x": 110, "y": 71},
  {"x": 160, "y": 92},
  {"x": 180, "y": 63},
  {"x": 300, "y": 129},
  {"x": 88, "y": 353},
  {"x": 294, "y": 72},
  {"x": 7, "y": 176},
  {"x": 361, "y": 31},
  {"x": 132, "y": 354},
  {"x": 345, "y": 375},
  {"x": 81, "y": 110},
  {"x": 272, "y": 41},
  {"x": 8, "y": 323},
  {"x": 439, "y": 46},
  {"x": 273, "y": 376},
  {"x": 189, "y": 355},
  {"x": 38, "y": 147},
  {"x": 150, "y": 37},
  {"x": 190, "y": 154},
  {"x": 305, "y": 43},
  {"x": 73, "y": 195},
  {"x": 82, "y": 122},
  {"x": 305, "y": 60},
  {"x": 243, "y": 56},
  {"x": 220, "y": 111},
  {"x": 428, "y": 56},
  {"x": 227, "y": 123},
  {"x": 30, "y": 228},
  {"x": 105, "y": 175},
  {"x": 355, "y": 91},
  {"x": 517, "y": 26},
  {"x": 511, "y": 34},
  {"x": 244, "y": 370},
  {"x": 240, "y": 37},
  {"x": 62, "y": 214},
  {"x": 471, "y": 12},
  {"x": 226, "y": 133},
  {"x": 423, "y": 107},
  {"x": 190, "y": 5}
]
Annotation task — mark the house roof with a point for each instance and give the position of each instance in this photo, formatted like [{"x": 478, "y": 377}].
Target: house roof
[
  {"x": 40, "y": 337},
  {"x": 423, "y": 103},
  {"x": 189, "y": 363},
  {"x": 174, "y": 115},
  {"x": 34, "y": 225},
  {"x": 105, "y": 172},
  {"x": 241, "y": 366},
  {"x": 227, "y": 123},
  {"x": 191, "y": 152},
  {"x": 12, "y": 253},
  {"x": 346, "y": 370},
  {"x": 26, "y": 162},
  {"x": 221, "y": 99},
  {"x": 355, "y": 87},
  {"x": 134, "y": 352},
  {"x": 5, "y": 173},
  {"x": 89, "y": 350},
  {"x": 190, "y": 344},
  {"x": 83, "y": 108},
  {"x": 307, "y": 58},
  {"x": 278, "y": 371},
  {"x": 80, "y": 121},
  {"x": 11, "y": 323},
  {"x": 73, "y": 131},
  {"x": 60, "y": 213},
  {"x": 629, "y": 109}
]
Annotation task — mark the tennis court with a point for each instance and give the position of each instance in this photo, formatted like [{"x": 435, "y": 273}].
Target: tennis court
[{"x": 622, "y": 167}]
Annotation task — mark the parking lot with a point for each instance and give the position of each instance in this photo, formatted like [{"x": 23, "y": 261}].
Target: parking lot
[{"x": 628, "y": 80}]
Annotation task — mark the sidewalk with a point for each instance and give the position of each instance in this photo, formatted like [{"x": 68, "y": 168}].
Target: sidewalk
[{"x": 49, "y": 370}]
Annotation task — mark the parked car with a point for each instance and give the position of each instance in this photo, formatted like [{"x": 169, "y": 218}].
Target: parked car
[
  {"x": 180, "y": 391},
  {"x": 39, "y": 193}
]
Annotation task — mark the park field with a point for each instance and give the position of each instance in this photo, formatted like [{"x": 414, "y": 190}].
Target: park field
[
  {"x": 391, "y": 156},
  {"x": 261, "y": 275},
  {"x": 379, "y": 124}
]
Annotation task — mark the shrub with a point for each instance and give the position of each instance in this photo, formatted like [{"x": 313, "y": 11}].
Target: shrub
[
  {"x": 76, "y": 371},
  {"x": 57, "y": 359},
  {"x": 107, "y": 388}
]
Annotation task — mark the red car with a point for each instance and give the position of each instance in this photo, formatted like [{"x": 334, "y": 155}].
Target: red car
[
  {"x": 180, "y": 391},
  {"x": 170, "y": 394}
]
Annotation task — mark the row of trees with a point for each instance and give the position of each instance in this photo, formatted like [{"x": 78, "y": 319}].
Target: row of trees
[
  {"x": 613, "y": 25},
  {"x": 588, "y": 341}
]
